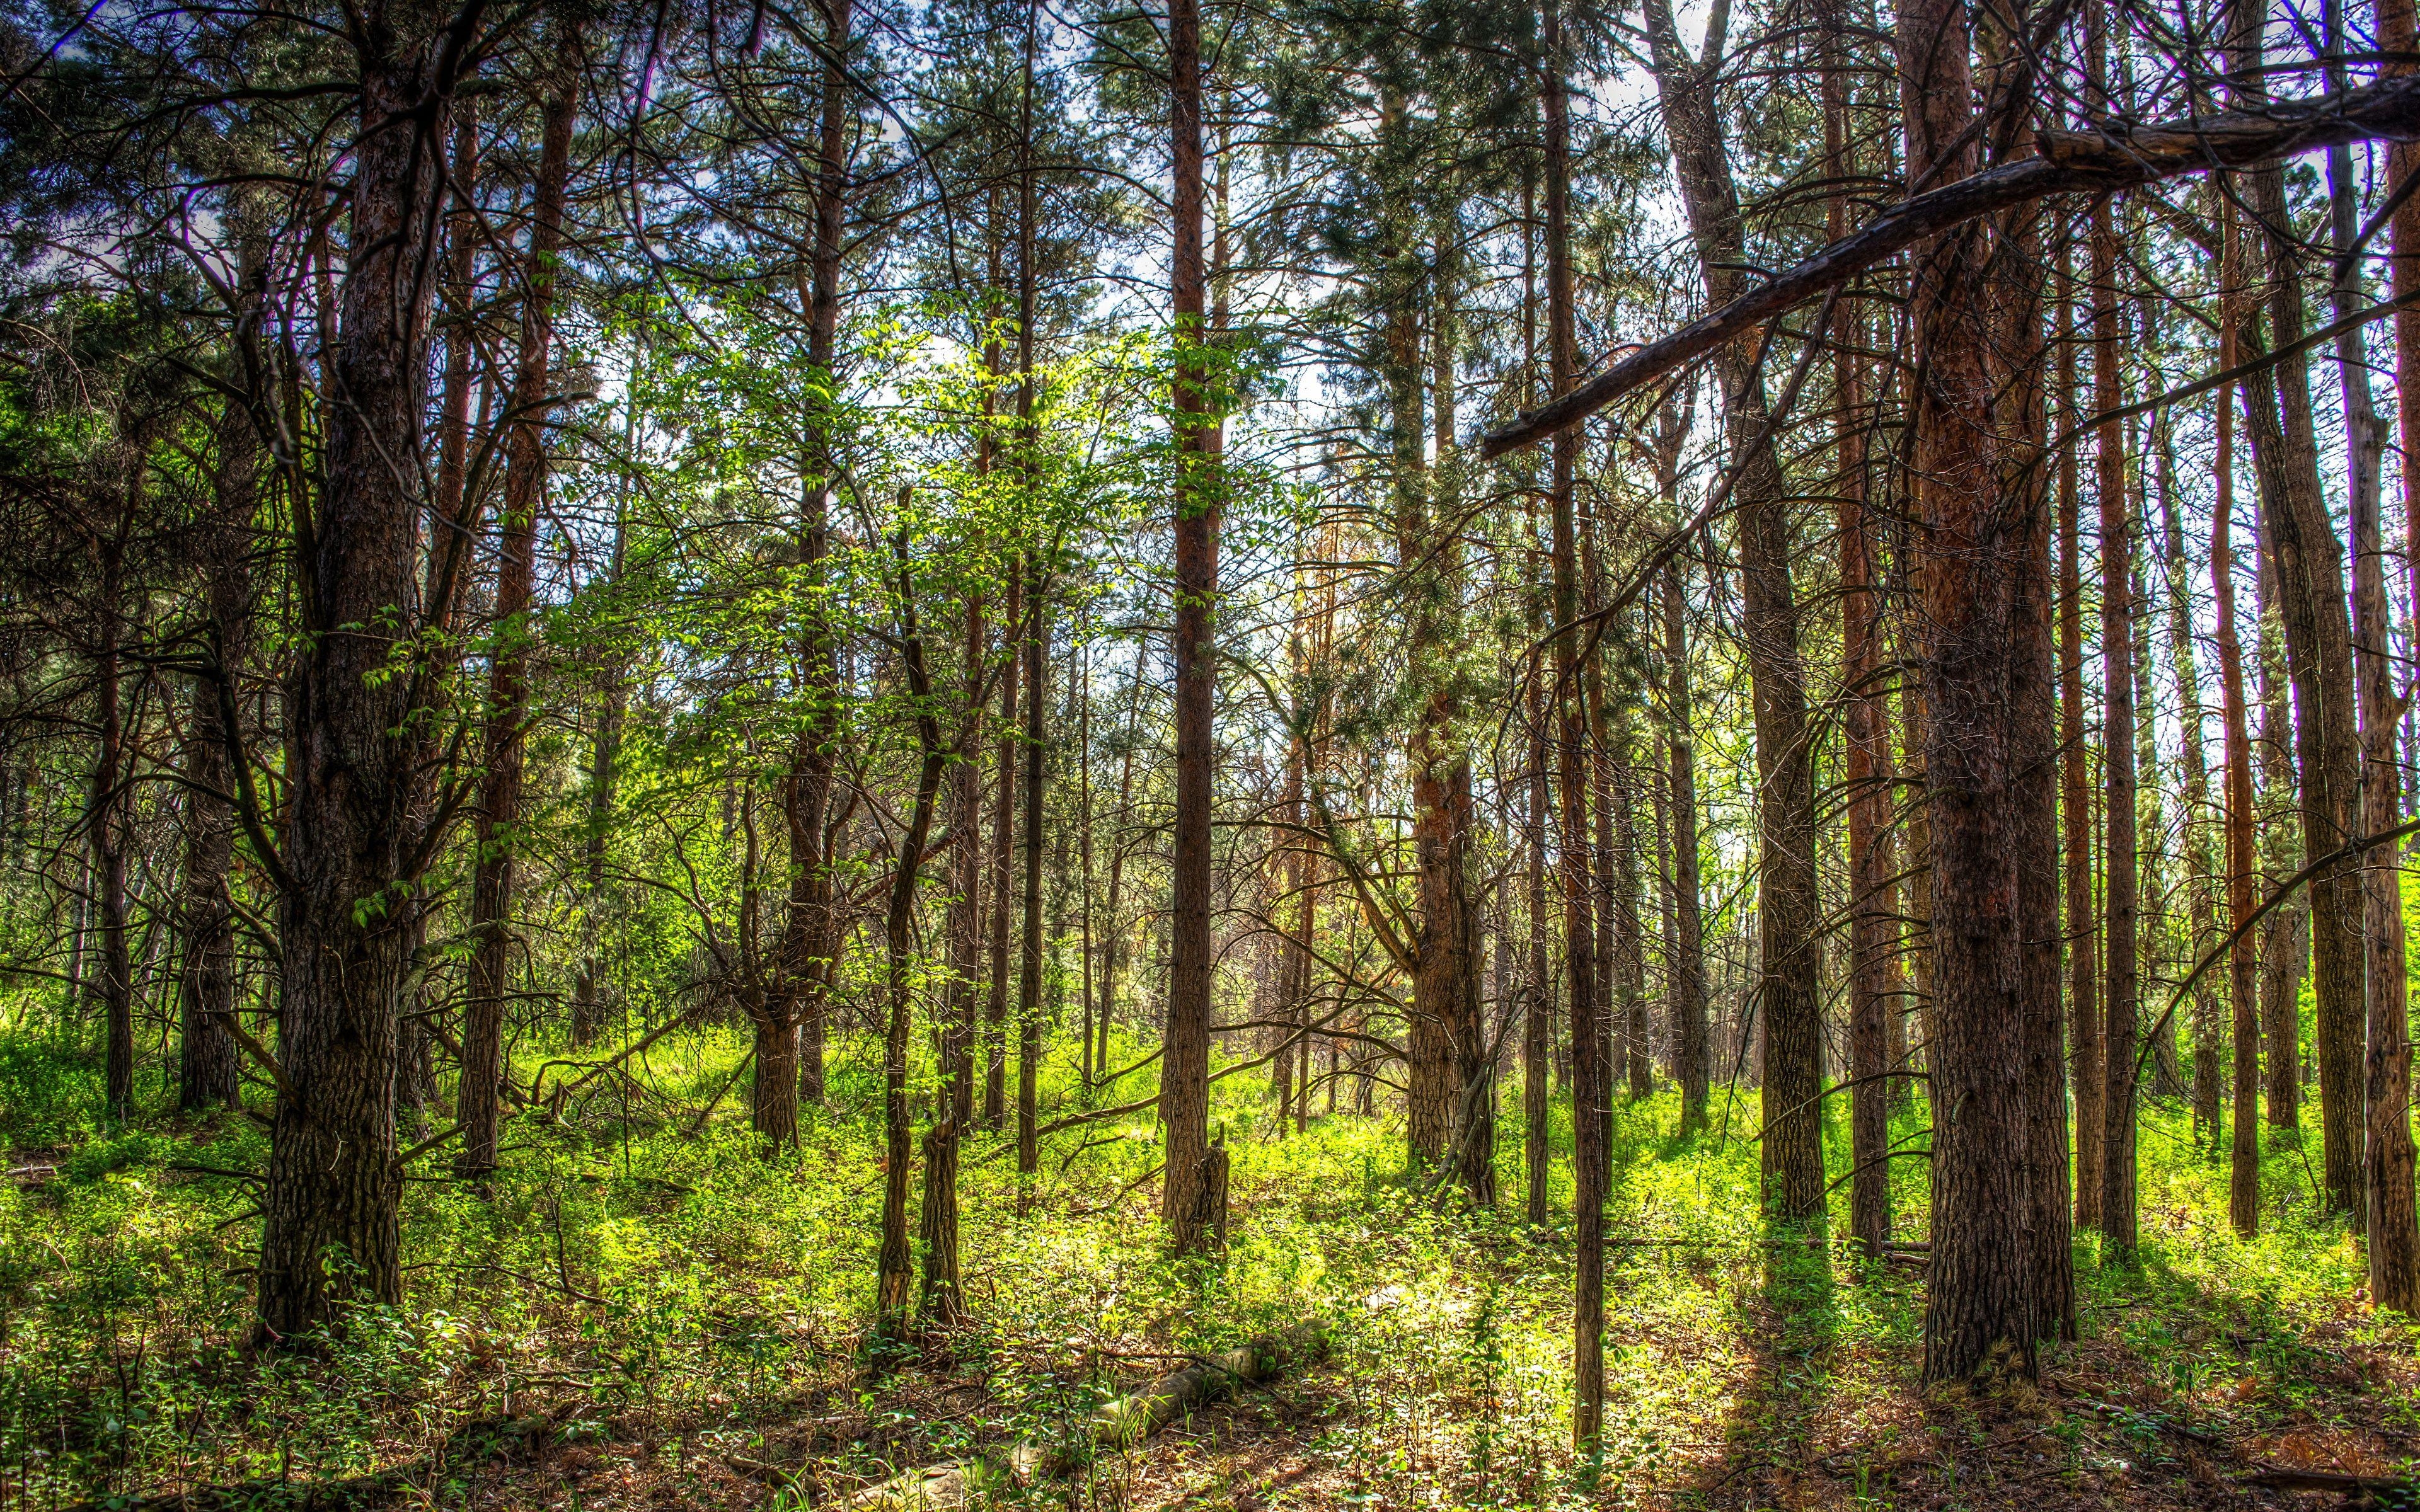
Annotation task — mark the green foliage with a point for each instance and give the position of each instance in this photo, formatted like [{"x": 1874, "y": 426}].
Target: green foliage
[{"x": 641, "y": 1277}]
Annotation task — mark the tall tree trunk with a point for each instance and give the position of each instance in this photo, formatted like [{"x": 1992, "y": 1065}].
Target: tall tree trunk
[
  {"x": 941, "y": 1299},
  {"x": 1029, "y": 968},
  {"x": 106, "y": 816},
  {"x": 2201, "y": 875},
  {"x": 1866, "y": 737},
  {"x": 1692, "y": 1051},
  {"x": 2394, "y": 1248},
  {"x": 206, "y": 1072},
  {"x": 1184, "y": 1061},
  {"x": 611, "y": 693},
  {"x": 1579, "y": 943},
  {"x": 1003, "y": 875},
  {"x": 1787, "y": 899},
  {"x": 2118, "y": 1081},
  {"x": 893, "y": 1265},
  {"x": 811, "y": 937},
  {"x": 2077, "y": 819},
  {"x": 355, "y": 780},
  {"x": 2318, "y": 659},
  {"x": 497, "y": 828},
  {"x": 2243, "y": 988},
  {"x": 1982, "y": 1295}
]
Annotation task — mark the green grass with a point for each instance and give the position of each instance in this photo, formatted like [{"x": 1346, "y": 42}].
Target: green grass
[{"x": 678, "y": 1300}]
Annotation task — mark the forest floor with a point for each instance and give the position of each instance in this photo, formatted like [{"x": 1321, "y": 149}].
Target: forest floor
[{"x": 640, "y": 1315}]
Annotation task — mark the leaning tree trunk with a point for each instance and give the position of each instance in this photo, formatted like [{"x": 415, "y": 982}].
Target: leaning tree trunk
[
  {"x": 1787, "y": 903},
  {"x": 347, "y": 907}
]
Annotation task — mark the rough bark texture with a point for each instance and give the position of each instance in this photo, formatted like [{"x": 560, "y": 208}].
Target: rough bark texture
[
  {"x": 346, "y": 911},
  {"x": 2243, "y": 988},
  {"x": 1692, "y": 1050},
  {"x": 1981, "y": 1295},
  {"x": 1589, "y": 1067},
  {"x": 1184, "y": 1062},
  {"x": 1786, "y": 899},
  {"x": 894, "y": 1264},
  {"x": 2077, "y": 819},
  {"x": 2118, "y": 1081},
  {"x": 499, "y": 815}
]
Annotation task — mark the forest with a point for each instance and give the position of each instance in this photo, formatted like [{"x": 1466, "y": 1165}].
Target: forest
[{"x": 1303, "y": 754}]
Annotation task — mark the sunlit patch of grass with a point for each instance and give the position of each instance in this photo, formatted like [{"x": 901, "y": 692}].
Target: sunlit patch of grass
[{"x": 644, "y": 1277}]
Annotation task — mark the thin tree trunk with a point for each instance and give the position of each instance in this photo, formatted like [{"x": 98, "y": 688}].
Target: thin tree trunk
[
  {"x": 1865, "y": 736},
  {"x": 894, "y": 1265},
  {"x": 2078, "y": 821},
  {"x": 2118, "y": 1081},
  {"x": 497, "y": 831},
  {"x": 1787, "y": 897},
  {"x": 1184, "y": 1062},
  {"x": 810, "y": 938},
  {"x": 2243, "y": 1174}
]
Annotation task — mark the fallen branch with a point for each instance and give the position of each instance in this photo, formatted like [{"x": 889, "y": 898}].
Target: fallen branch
[
  {"x": 1115, "y": 1425},
  {"x": 2099, "y": 161}
]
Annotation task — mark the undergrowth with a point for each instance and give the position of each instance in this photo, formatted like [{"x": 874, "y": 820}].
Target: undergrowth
[{"x": 642, "y": 1278}]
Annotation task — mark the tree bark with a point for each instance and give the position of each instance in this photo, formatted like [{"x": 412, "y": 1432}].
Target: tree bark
[
  {"x": 1184, "y": 1061},
  {"x": 1580, "y": 935},
  {"x": 347, "y": 899},
  {"x": 1787, "y": 897},
  {"x": 2075, "y": 787},
  {"x": 894, "y": 1264},
  {"x": 1982, "y": 1295},
  {"x": 499, "y": 817}
]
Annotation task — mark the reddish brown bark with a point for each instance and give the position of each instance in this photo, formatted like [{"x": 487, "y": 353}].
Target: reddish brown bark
[
  {"x": 1184, "y": 1062},
  {"x": 498, "y": 821}
]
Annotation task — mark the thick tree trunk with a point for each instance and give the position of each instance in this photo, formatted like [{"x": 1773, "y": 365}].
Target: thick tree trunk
[
  {"x": 2394, "y": 1247},
  {"x": 1184, "y": 1062},
  {"x": 499, "y": 817},
  {"x": 348, "y": 910},
  {"x": 1982, "y": 1295}
]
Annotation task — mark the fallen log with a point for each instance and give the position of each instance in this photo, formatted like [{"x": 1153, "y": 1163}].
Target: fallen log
[{"x": 1113, "y": 1425}]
